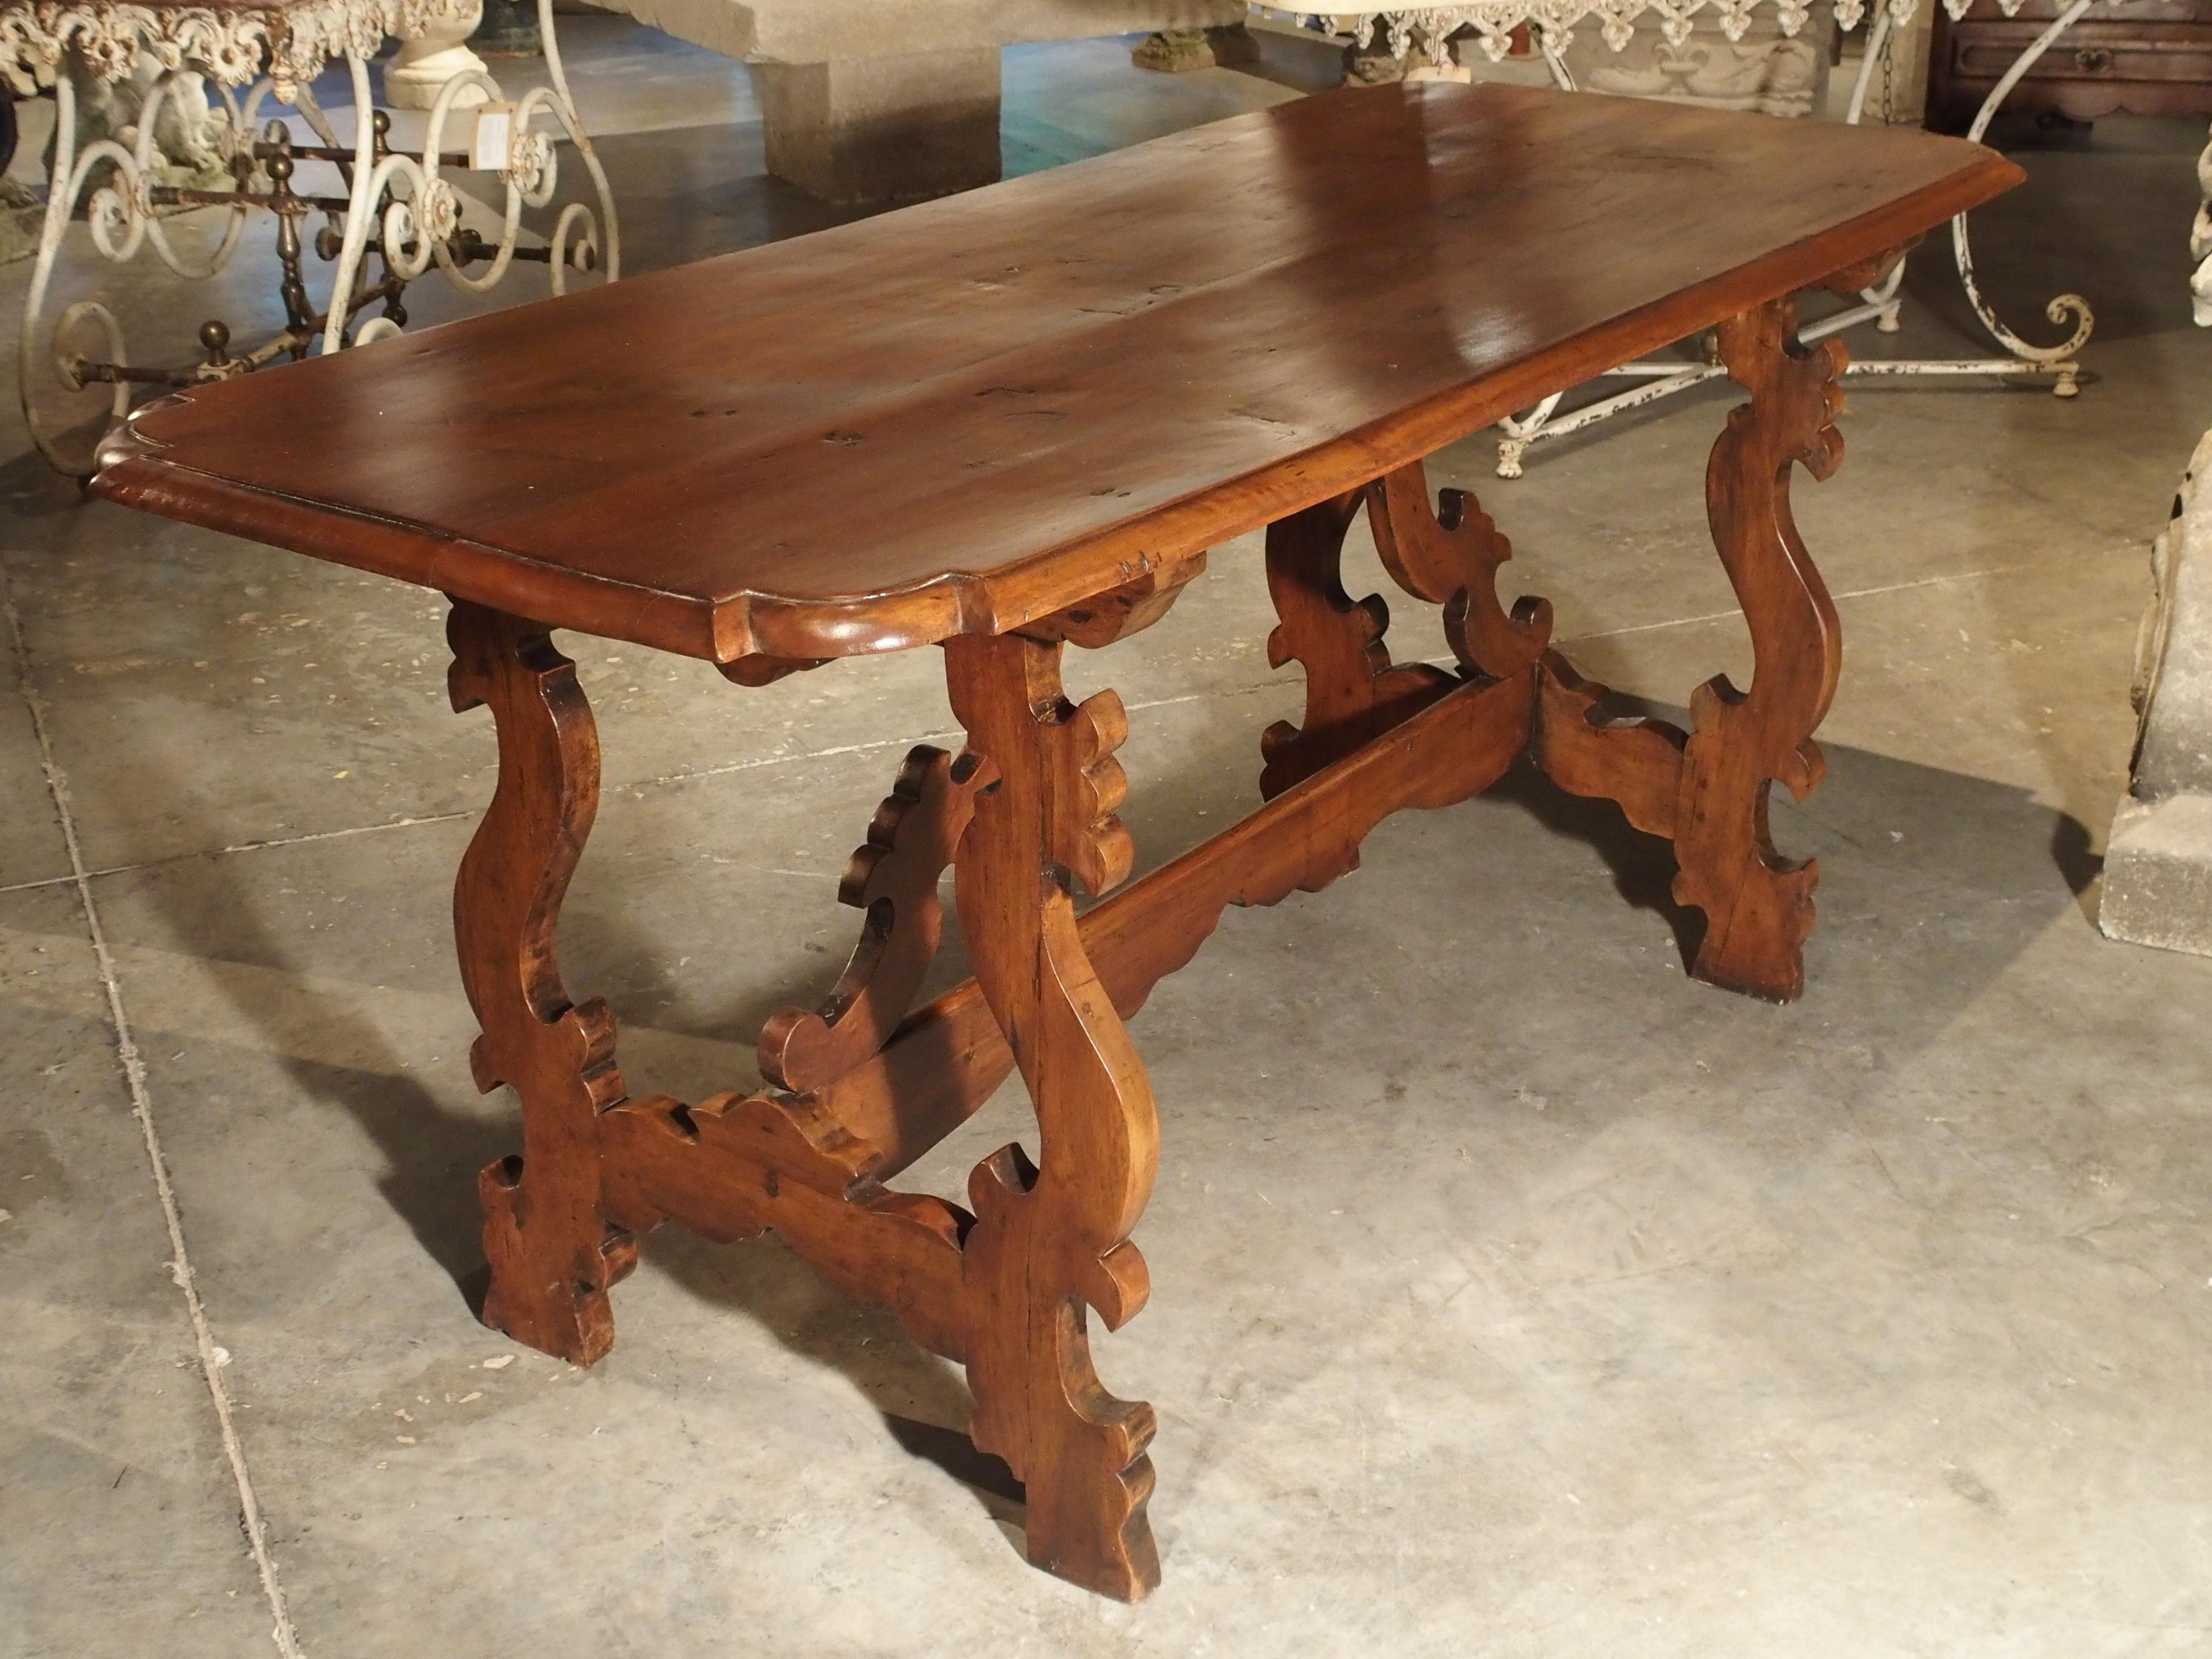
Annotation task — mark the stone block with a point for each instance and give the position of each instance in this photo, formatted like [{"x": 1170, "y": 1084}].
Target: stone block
[
  {"x": 881, "y": 100},
  {"x": 2158, "y": 874},
  {"x": 2158, "y": 866},
  {"x": 1178, "y": 52},
  {"x": 883, "y": 129}
]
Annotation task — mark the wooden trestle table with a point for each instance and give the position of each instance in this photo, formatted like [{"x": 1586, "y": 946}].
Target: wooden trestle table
[{"x": 1005, "y": 422}]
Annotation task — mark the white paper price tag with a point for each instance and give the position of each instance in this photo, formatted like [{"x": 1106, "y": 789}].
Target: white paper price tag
[{"x": 494, "y": 135}]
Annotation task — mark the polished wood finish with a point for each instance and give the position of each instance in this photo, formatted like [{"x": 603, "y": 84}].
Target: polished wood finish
[
  {"x": 552, "y": 1256},
  {"x": 1707, "y": 791},
  {"x": 1450, "y": 555},
  {"x": 1051, "y": 1238},
  {"x": 976, "y": 412},
  {"x": 1353, "y": 692},
  {"x": 1758, "y": 905},
  {"x": 1013, "y": 423},
  {"x": 950, "y": 1056},
  {"x": 1006, "y": 1290},
  {"x": 738, "y": 1165},
  {"x": 892, "y": 879}
]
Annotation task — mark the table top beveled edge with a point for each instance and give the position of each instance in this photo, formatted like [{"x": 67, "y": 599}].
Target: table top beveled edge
[{"x": 132, "y": 472}]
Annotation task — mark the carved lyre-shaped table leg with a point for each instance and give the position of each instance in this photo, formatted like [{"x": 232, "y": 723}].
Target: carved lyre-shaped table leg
[
  {"x": 552, "y": 1255},
  {"x": 1450, "y": 554},
  {"x": 1051, "y": 1239},
  {"x": 1354, "y": 691},
  {"x": 1707, "y": 791},
  {"x": 1759, "y": 905}
]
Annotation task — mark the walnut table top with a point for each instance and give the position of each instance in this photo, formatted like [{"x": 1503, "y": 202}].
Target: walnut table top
[{"x": 965, "y": 415}]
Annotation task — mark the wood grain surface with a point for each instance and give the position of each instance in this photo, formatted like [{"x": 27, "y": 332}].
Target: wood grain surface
[{"x": 972, "y": 414}]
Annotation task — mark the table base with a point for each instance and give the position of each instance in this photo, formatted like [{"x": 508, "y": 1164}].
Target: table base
[{"x": 859, "y": 1087}]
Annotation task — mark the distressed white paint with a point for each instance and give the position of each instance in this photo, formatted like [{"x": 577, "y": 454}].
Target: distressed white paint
[{"x": 398, "y": 206}]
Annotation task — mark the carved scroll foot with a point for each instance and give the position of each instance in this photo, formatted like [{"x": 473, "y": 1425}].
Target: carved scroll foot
[
  {"x": 1757, "y": 904},
  {"x": 549, "y": 1280},
  {"x": 553, "y": 1254},
  {"x": 1079, "y": 1451},
  {"x": 1051, "y": 1238}
]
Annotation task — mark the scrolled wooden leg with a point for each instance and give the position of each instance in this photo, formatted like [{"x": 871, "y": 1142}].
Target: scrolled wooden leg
[
  {"x": 1449, "y": 553},
  {"x": 553, "y": 1255},
  {"x": 1757, "y": 904},
  {"x": 1051, "y": 1239},
  {"x": 1353, "y": 692},
  {"x": 892, "y": 880}
]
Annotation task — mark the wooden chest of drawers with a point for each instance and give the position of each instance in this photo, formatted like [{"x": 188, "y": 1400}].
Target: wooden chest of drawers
[{"x": 2142, "y": 56}]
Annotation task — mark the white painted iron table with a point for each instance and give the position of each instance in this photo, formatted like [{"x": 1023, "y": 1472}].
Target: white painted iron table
[
  {"x": 400, "y": 206},
  {"x": 1424, "y": 32}
]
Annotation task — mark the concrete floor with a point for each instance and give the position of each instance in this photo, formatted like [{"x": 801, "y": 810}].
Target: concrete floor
[{"x": 1514, "y": 1295}]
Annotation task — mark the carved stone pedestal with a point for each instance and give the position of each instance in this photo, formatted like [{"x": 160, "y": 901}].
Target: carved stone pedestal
[
  {"x": 2157, "y": 869},
  {"x": 188, "y": 130},
  {"x": 1176, "y": 51},
  {"x": 429, "y": 57},
  {"x": 21, "y": 214}
]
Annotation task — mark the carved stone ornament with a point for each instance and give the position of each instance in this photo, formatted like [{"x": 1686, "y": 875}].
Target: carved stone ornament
[
  {"x": 1428, "y": 28},
  {"x": 233, "y": 44}
]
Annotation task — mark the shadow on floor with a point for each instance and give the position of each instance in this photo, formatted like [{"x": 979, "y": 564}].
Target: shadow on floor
[
  {"x": 1983, "y": 865},
  {"x": 432, "y": 1153}
]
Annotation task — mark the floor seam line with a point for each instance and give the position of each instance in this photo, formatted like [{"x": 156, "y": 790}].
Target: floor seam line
[
  {"x": 269, "y": 844},
  {"x": 1849, "y": 594},
  {"x": 212, "y": 1359},
  {"x": 1930, "y": 581},
  {"x": 670, "y": 779},
  {"x": 272, "y": 843}
]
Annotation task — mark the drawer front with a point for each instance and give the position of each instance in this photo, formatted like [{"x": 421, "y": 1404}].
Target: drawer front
[
  {"x": 2087, "y": 51},
  {"x": 2113, "y": 11}
]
